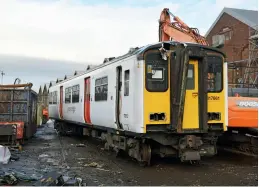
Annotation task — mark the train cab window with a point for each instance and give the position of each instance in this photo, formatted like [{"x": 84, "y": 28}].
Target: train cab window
[
  {"x": 68, "y": 95},
  {"x": 75, "y": 94},
  {"x": 190, "y": 85},
  {"x": 50, "y": 98},
  {"x": 126, "y": 82},
  {"x": 215, "y": 74},
  {"x": 156, "y": 73},
  {"x": 101, "y": 89}
]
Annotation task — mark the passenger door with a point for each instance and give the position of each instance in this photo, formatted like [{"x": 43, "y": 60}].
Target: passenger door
[
  {"x": 87, "y": 101},
  {"x": 118, "y": 99},
  {"x": 126, "y": 101}
]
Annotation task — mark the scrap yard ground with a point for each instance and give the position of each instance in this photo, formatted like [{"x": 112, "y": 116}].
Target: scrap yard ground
[{"x": 87, "y": 159}]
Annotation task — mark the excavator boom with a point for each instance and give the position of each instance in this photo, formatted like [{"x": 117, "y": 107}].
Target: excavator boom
[{"x": 177, "y": 30}]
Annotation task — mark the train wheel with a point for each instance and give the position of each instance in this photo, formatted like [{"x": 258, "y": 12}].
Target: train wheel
[{"x": 145, "y": 155}]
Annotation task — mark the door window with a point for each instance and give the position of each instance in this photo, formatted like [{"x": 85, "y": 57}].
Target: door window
[
  {"x": 190, "y": 85},
  {"x": 126, "y": 82}
]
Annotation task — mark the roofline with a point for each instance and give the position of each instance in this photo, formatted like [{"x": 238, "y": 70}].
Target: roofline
[
  {"x": 139, "y": 55},
  {"x": 214, "y": 23},
  {"x": 219, "y": 16},
  {"x": 102, "y": 65}
]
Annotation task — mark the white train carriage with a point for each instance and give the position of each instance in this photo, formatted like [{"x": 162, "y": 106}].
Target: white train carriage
[{"x": 154, "y": 99}]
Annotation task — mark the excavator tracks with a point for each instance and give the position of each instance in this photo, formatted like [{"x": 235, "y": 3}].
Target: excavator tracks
[{"x": 239, "y": 143}]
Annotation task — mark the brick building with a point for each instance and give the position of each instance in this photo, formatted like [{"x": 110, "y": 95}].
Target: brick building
[{"x": 237, "y": 30}]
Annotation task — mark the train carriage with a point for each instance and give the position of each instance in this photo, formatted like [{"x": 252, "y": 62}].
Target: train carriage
[{"x": 167, "y": 98}]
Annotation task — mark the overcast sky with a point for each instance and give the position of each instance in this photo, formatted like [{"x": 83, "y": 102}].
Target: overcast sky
[{"x": 87, "y": 31}]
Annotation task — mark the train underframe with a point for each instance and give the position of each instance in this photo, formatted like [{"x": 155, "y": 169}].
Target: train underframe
[
  {"x": 186, "y": 147},
  {"x": 240, "y": 140}
]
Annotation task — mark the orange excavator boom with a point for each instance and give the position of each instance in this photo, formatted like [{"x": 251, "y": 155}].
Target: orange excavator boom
[{"x": 177, "y": 30}]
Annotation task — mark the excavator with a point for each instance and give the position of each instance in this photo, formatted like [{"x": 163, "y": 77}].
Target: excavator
[
  {"x": 242, "y": 134},
  {"x": 45, "y": 115}
]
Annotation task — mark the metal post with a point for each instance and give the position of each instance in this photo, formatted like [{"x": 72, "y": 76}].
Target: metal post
[{"x": 2, "y": 73}]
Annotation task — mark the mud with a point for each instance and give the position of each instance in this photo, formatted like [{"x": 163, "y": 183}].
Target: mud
[{"x": 48, "y": 152}]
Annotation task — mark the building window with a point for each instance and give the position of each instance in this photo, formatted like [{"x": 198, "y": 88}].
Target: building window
[
  {"x": 126, "y": 82},
  {"x": 101, "y": 89},
  {"x": 224, "y": 35},
  {"x": 50, "y": 98},
  {"x": 55, "y": 97},
  {"x": 68, "y": 95},
  {"x": 228, "y": 35},
  {"x": 214, "y": 39},
  {"x": 218, "y": 39},
  {"x": 75, "y": 94}
]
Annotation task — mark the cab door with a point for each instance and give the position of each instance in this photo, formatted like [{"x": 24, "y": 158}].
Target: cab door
[
  {"x": 191, "y": 105},
  {"x": 189, "y": 98}
]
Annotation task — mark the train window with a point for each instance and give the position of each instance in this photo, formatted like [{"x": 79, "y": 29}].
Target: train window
[
  {"x": 101, "y": 89},
  {"x": 126, "y": 82},
  {"x": 215, "y": 75},
  {"x": 190, "y": 85},
  {"x": 98, "y": 81},
  {"x": 156, "y": 73},
  {"x": 68, "y": 95},
  {"x": 75, "y": 94},
  {"x": 104, "y": 80},
  {"x": 50, "y": 98},
  {"x": 54, "y": 96}
]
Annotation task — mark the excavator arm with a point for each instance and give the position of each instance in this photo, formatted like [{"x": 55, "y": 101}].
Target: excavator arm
[{"x": 177, "y": 30}]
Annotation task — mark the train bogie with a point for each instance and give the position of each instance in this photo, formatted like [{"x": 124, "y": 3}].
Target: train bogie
[{"x": 154, "y": 99}]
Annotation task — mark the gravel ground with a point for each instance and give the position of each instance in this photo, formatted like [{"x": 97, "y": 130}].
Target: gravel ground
[{"x": 98, "y": 167}]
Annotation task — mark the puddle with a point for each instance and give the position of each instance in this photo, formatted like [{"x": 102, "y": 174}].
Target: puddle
[
  {"x": 47, "y": 137},
  {"x": 46, "y": 133}
]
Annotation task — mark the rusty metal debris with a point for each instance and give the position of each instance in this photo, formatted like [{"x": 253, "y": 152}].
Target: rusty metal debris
[
  {"x": 12, "y": 177},
  {"x": 93, "y": 164},
  {"x": 80, "y": 145},
  {"x": 8, "y": 178},
  {"x": 16, "y": 85},
  {"x": 55, "y": 179}
]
